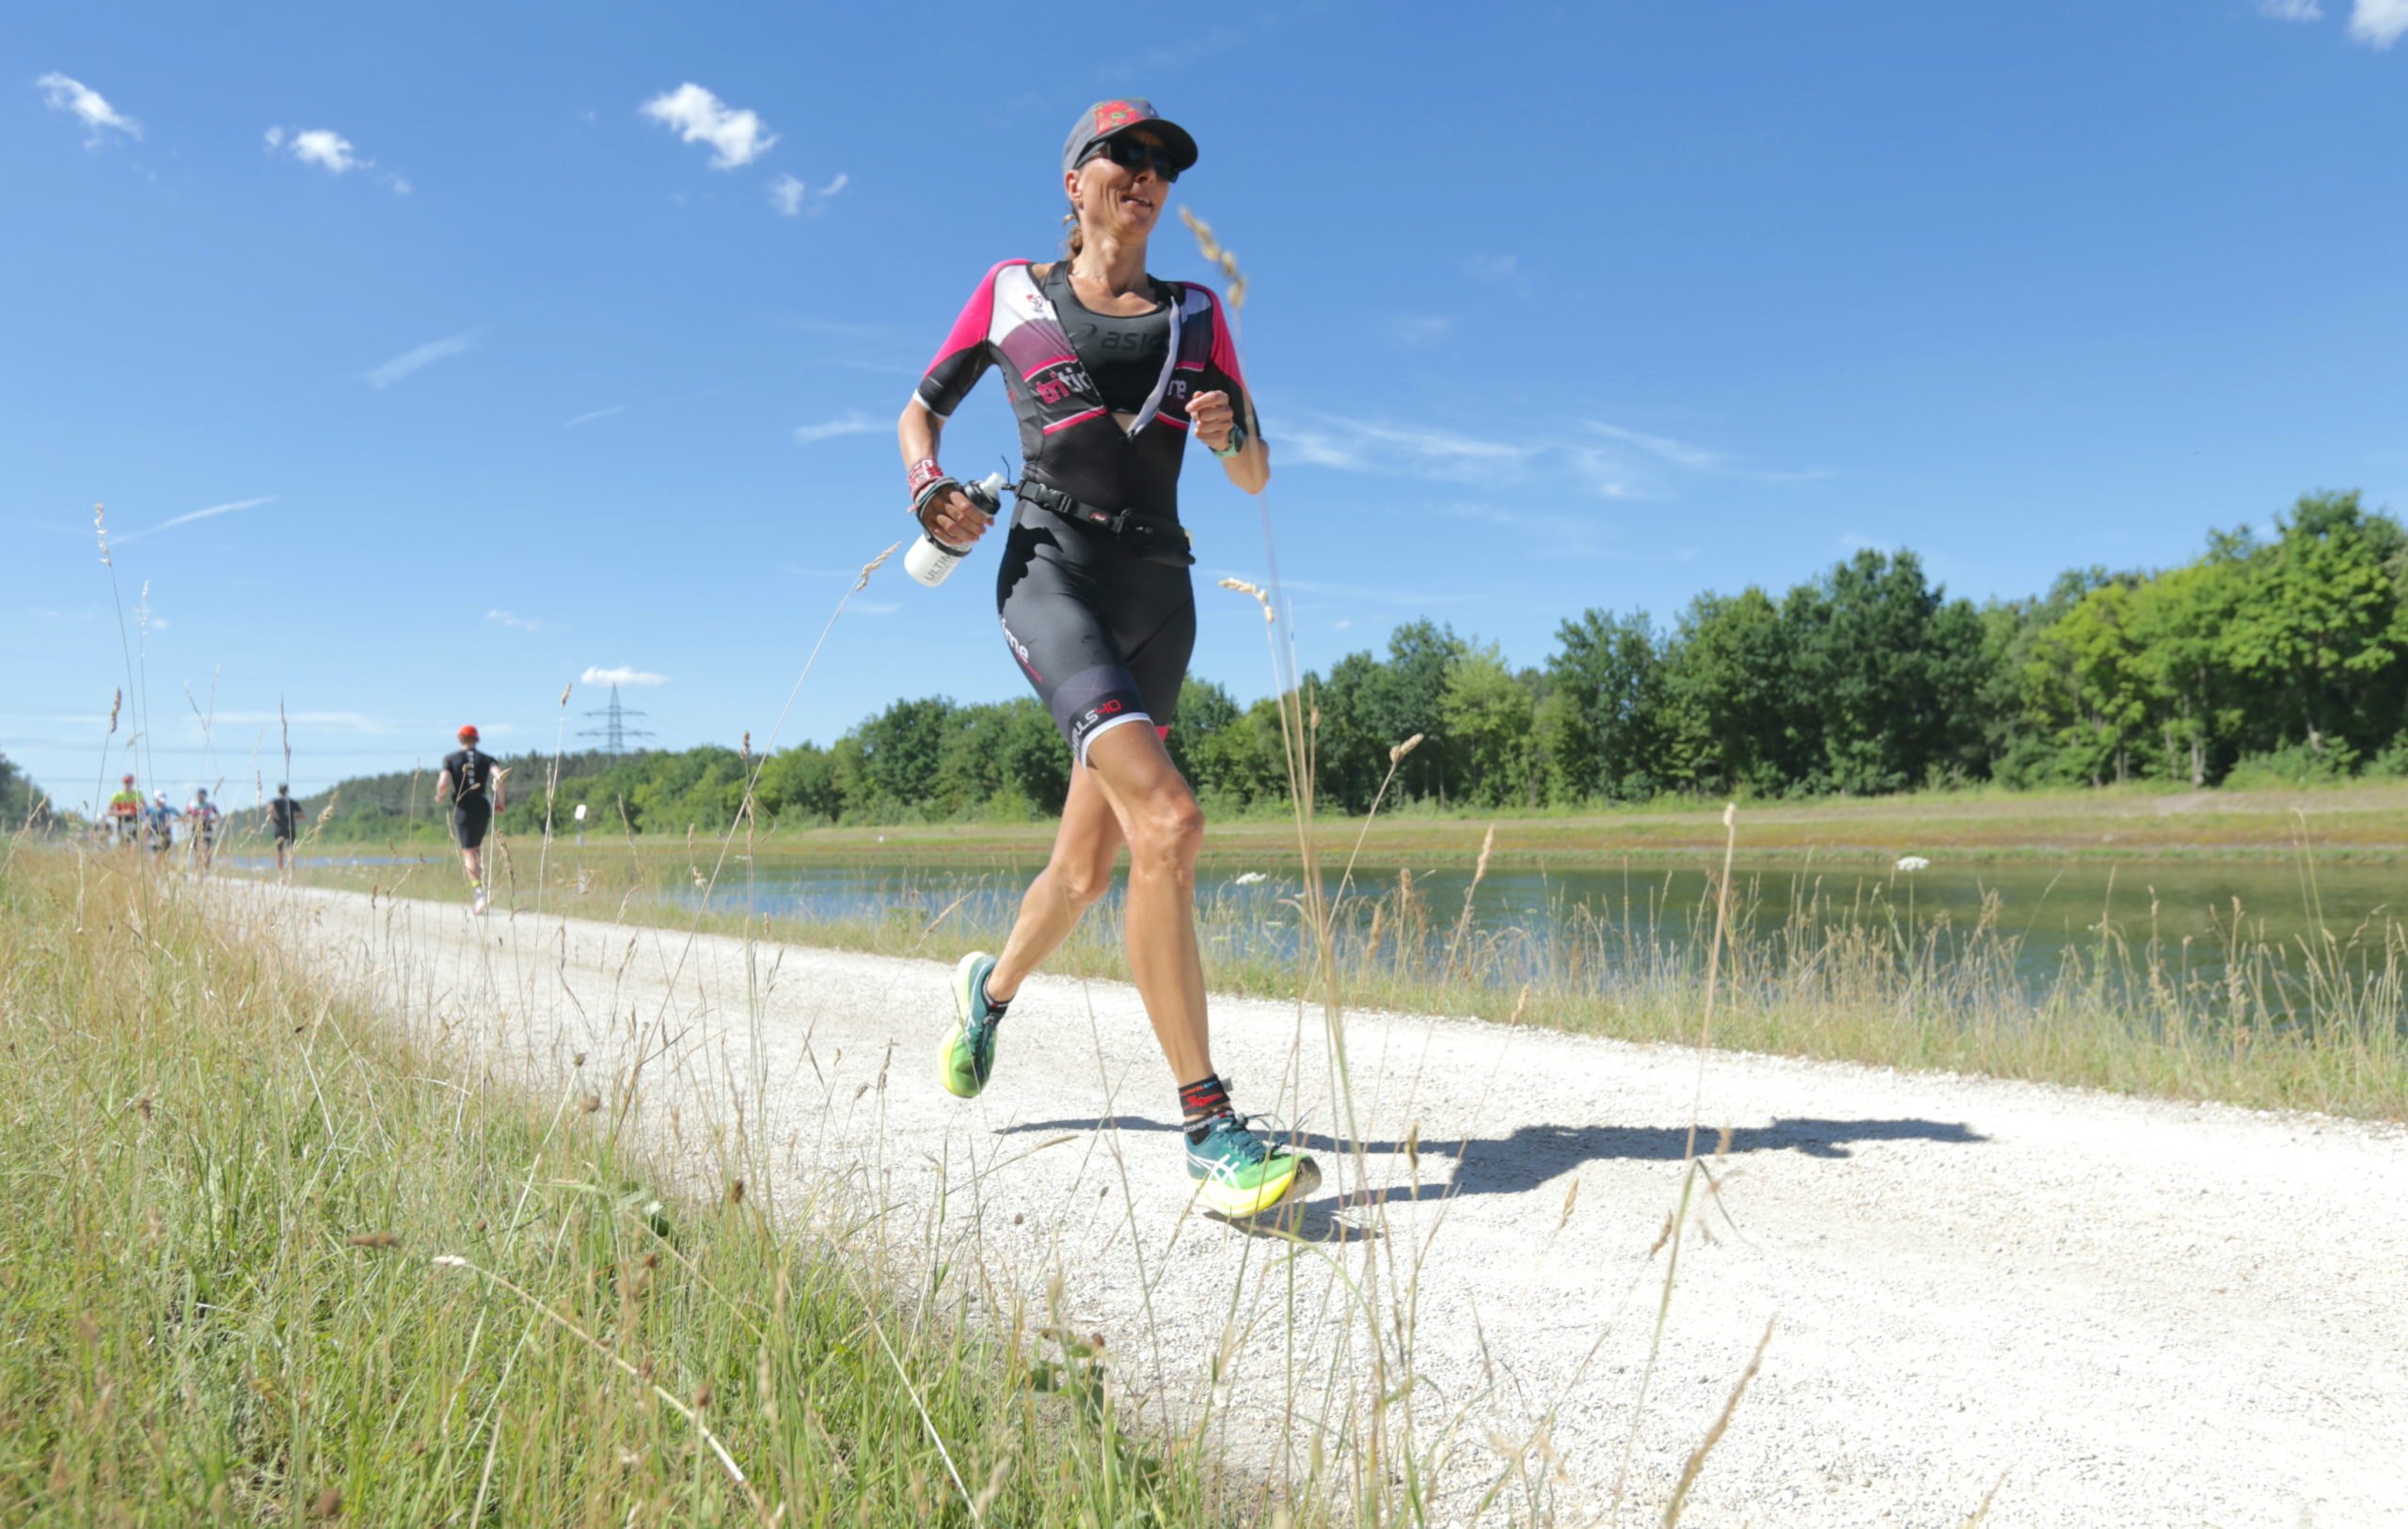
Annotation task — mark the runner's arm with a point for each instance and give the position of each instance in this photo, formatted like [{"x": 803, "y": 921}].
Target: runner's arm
[
  {"x": 961, "y": 361},
  {"x": 442, "y": 785},
  {"x": 955, "y": 520},
  {"x": 1222, "y": 402},
  {"x": 1214, "y": 416}
]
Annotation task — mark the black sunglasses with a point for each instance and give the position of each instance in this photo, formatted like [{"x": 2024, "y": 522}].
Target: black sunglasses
[{"x": 1134, "y": 156}]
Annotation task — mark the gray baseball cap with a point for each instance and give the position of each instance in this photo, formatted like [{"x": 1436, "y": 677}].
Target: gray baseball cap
[{"x": 1106, "y": 118}]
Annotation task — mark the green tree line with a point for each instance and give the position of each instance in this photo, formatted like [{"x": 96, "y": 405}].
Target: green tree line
[
  {"x": 2281, "y": 656},
  {"x": 19, "y": 797}
]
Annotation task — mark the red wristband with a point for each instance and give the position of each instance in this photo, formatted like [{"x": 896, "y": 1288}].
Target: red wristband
[{"x": 921, "y": 474}]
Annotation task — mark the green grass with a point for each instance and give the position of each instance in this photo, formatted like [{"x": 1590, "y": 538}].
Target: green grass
[{"x": 267, "y": 1264}]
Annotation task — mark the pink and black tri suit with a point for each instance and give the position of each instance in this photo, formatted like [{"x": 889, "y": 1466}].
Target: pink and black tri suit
[{"x": 1093, "y": 591}]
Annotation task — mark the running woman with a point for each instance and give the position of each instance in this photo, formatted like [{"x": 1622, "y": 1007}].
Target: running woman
[
  {"x": 468, "y": 775},
  {"x": 284, "y": 827},
  {"x": 1110, "y": 371}
]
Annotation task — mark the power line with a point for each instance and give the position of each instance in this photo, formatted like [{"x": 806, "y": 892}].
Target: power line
[{"x": 614, "y": 731}]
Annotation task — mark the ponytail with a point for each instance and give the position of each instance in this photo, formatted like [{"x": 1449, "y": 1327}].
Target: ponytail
[{"x": 1075, "y": 240}]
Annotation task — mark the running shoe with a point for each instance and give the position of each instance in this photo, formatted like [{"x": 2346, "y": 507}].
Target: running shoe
[
  {"x": 968, "y": 1059},
  {"x": 1240, "y": 1174},
  {"x": 477, "y": 898}
]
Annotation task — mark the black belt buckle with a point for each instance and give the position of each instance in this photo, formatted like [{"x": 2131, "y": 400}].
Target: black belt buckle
[{"x": 1149, "y": 539}]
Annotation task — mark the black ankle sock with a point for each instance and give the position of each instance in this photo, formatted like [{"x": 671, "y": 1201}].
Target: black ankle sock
[
  {"x": 1200, "y": 1103},
  {"x": 995, "y": 1006}
]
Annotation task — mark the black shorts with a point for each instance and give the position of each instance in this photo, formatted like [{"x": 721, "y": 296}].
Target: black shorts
[
  {"x": 1103, "y": 635},
  {"x": 470, "y": 819},
  {"x": 284, "y": 837}
]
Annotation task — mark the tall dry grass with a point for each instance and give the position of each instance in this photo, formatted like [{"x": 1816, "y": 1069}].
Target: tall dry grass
[{"x": 271, "y": 1266}]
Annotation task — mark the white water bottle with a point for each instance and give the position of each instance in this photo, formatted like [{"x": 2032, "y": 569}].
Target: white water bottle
[{"x": 931, "y": 561}]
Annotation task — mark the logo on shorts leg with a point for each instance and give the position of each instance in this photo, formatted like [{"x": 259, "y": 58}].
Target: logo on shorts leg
[{"x": 1020, "y": 649}]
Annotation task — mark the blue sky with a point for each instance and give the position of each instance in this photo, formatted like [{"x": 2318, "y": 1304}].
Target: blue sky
[{"x": 423, "y": 370}]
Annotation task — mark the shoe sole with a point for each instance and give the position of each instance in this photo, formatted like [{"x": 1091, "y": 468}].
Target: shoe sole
[
  {"x": 963, "y": 971},
  {"x": 1243, "y": 1207}
]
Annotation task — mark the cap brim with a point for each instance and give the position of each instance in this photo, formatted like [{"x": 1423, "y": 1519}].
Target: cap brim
[{"x": 1180, "y": 143}]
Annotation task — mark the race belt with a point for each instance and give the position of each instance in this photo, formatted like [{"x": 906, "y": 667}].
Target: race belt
[{"x": 1150, "y": 537}]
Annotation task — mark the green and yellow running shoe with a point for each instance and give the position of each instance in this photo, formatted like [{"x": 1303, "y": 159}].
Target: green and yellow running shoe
[
  {"x": 968, "y": 1059},
  {"x": 1240, "y": 1174}
]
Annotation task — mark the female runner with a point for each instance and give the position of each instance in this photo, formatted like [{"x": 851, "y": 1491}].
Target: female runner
[{"x": 1110, "y": 371}]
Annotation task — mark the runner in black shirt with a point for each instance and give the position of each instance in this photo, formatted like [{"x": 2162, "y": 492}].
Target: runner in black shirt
[
  {"x": 469, "y": 775},
  {"x": 284, "y": 827},
  {"x": 1110, "y": 371}
]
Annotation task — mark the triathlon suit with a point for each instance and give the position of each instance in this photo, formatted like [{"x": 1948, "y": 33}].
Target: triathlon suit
[
  {"x": 125, "y": 814},
  {"x": 1101, "y": 620},
  {"x": 284, "y": 820},
  {"x": 472, "y": 809},
  {"x": 163, "y": 825}
]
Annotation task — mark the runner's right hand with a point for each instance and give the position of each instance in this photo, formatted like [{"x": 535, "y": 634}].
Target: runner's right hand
[{"x": 952, "y": 519}]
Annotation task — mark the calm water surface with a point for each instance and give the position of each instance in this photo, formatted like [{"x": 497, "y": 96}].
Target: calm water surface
[{"x": 2191, "y": 908}]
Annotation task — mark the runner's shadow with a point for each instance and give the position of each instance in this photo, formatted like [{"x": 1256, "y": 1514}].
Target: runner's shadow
[{"x": 1531, "y": 1155}]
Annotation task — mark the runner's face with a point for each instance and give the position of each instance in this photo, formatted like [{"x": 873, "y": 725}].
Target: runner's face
[{"x": 1125, "y": 202}]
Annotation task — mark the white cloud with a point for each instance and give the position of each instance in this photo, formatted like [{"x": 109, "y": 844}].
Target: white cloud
[
  {"x": 855, "y": 423},
  {"x": 696, "y": 116},
  {"x": 1679, "y": 453},
  {"x": 588, "y": 417},
  {"x": 2291, "y": 11},
  {"x": 1612, "y": 461},
  {"x": 2379, "y": 22},
  {"x": 332, "y": 152},
  {"x": 193, "y": 515},
  {"x": 524, "y": 623},
  {"x": 624, "y": 674},
  {"x": 793, "y": 198},
  {"x": 62, "y": 94},
  {"x": 409, "y": 361}
]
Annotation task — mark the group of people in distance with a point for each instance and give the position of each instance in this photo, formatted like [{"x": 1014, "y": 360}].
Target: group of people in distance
[{"x": 132, "y": 823}]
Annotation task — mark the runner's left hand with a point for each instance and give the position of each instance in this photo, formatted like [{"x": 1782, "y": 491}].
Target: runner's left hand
[{"x": 1213, "y": 419}]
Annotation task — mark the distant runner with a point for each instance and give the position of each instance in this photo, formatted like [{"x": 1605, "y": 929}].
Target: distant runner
[
  {"x": 159, "y": 824},
  {"x": 202, "y": 815},
  {"x": 125, "y": 815},
  {"x": 1112, "y": 373},
  {"x": 284, "y": 827},
  {"x": 467, "y": 776}
]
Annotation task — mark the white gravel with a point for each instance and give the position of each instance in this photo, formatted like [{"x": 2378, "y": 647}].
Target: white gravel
[{"x": 2136, "y": 1313}]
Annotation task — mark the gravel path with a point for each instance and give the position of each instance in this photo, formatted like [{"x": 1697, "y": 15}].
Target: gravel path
[{"x": 2136, "y": 1313}]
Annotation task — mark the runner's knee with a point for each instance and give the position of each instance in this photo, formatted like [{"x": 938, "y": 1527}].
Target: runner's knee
[
  {"x": 1166, "y": 831},
  {"x": 1080, "y": 879}
]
